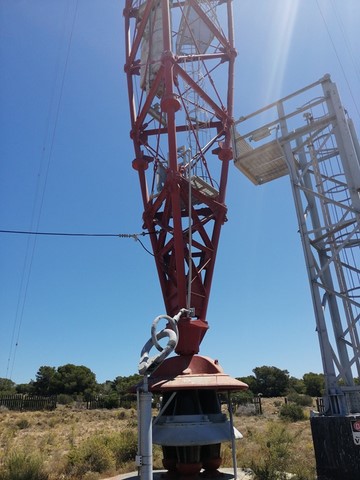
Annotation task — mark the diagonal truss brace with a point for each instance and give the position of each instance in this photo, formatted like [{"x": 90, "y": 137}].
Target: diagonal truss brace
[{"x": 315, "y": 144}]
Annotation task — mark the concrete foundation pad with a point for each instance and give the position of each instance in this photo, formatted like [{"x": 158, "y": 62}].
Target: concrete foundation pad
[{"x": 224, "y": 474}]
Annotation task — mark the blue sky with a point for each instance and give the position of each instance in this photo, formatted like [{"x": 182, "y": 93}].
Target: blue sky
[{"x": 65, "y": 166}]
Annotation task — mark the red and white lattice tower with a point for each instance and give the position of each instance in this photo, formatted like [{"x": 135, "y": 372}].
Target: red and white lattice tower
[{"x": 180, "y": 72}]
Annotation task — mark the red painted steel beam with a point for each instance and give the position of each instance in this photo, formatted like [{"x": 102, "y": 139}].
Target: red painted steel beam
[{"x": 184, "y": 235}]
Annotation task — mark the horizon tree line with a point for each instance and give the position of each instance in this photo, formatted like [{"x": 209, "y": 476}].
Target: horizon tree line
[{"x": 76, "y": 381}]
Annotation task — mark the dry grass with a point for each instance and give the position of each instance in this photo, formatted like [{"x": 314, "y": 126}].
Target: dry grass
[
  {"x": 266, "y": 438},
  {"x": 53, "y": 435}
]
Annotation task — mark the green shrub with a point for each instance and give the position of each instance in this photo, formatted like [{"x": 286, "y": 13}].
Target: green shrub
[
  {"x": 245, "y": 396},
  {"x": 93, "y": 455},
  {"x": 292, "y": 412},
  {"x": 23, "y": 466},
  {"x": 111, "y": 401},
  {"x": 275, "y": 453},
  {"x": 102, "y": 453},
  {"x": 303, "y": 400},
  {"x": 123, "y": 446},
  {"x": 92, "y": 476},
  {"x": 122, "y": 414},
  {"x": 22, "y": 424},
  {"x": 64, "y": 399}
]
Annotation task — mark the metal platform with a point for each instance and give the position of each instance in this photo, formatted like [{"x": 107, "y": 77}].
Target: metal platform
[{"x": 261, "y": 164}]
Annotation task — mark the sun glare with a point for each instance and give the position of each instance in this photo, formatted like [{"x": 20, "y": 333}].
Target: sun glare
[{"x": 282, "y": 27}]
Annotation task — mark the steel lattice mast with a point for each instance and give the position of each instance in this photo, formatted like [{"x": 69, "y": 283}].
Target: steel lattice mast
[
  {"x": 310, "y": 137},
  {"x": 180, "y": 74}
]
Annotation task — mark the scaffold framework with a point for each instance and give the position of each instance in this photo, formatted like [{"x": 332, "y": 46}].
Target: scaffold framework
[{"x": 308, "y": 136}]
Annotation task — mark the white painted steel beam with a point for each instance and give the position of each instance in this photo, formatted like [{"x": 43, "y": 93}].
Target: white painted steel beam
[{"x": 312, "y": 140}]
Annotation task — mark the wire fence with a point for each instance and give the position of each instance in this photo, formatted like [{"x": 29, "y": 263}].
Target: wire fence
[{"x": 27, "y": 402}]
